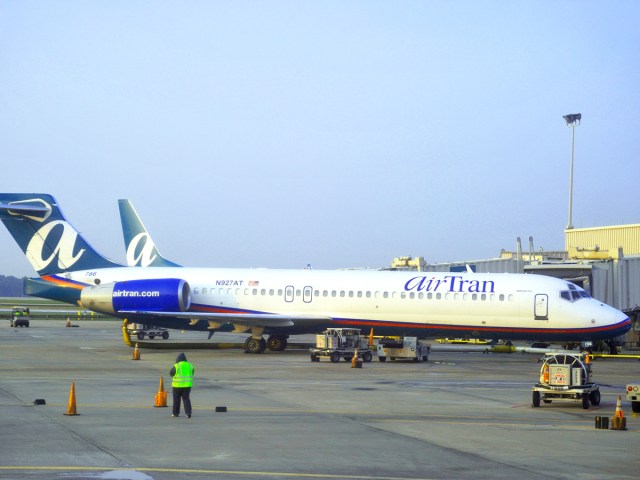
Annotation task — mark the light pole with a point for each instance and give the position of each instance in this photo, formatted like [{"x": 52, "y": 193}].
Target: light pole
[{"x": 573, "y": 120}]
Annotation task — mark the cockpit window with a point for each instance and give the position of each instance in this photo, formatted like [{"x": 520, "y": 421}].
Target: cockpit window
[{"x": 574, "y": 293}]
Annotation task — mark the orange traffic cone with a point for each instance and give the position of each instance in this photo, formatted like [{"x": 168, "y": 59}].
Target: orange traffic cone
[
  {"x": 136, "y": 353},
  {"x": 71, "y": 409},
  {"x": 161, "y": 396},
  {"x": 68, "y": 324},
  {"x": 618, "y": 422},
  {"x": 619, "y": 412},
  {"x": 355, "y": 361},
  {"x": 371, "y": 338}
]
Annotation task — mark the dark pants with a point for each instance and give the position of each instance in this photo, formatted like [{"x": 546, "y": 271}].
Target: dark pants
[{"x": 181, "y": 393}]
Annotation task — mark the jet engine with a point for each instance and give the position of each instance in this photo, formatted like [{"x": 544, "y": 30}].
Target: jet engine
[{"x": 149, "y": 295}]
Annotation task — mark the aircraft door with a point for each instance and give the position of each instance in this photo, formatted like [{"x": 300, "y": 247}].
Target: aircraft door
[
  {"x": 541, "y": 306},
  {"x": 307, "y": 294}
]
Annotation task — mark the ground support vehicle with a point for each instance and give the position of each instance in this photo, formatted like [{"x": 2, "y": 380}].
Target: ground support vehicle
[
  {"x": 337, "y": 343},
  {"x": 566, "y": 377},
  {"x": 151, "y": 331},
  {"x": 402, "y": 348},
  {"x": 633, "y": 396},
  {"x": 20, "y": 317}
]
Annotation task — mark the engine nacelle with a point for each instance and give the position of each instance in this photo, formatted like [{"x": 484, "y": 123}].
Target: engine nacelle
[{"x": 150, "y": 295}]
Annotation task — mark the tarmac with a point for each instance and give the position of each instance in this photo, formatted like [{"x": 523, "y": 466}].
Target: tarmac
[{"x": 461, "y": 415}]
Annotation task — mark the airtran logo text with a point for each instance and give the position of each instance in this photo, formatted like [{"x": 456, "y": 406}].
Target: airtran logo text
[
  {"x": 63, "y": 250},
  {"x": 449, "y": 283},
  {"x": 146, "y": 253},
  {"x": 135, "y": 294}
]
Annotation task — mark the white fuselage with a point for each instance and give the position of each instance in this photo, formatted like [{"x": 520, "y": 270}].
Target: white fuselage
[{"x": 505, "y": 306}]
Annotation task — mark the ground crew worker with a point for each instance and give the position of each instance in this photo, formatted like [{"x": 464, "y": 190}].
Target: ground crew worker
[{"x": 182, "y": 373}]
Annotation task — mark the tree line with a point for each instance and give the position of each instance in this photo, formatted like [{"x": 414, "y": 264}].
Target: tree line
[{"x": 11, "y": 286}]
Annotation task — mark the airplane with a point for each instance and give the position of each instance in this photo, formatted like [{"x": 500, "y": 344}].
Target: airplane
[{"x": 285, "y": 302}]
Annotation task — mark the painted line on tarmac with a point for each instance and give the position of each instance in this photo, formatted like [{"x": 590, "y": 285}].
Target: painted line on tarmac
[{"x": 201, "y": 471}]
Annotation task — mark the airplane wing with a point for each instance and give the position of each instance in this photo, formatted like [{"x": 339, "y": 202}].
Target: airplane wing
[{"x": 248, "y": 319}]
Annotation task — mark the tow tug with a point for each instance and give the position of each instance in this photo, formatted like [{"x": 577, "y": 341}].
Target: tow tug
[
  {"x": 566, "y": 376},
  {"x": 402, "y": 348},
  {"x": 150, "y": 331},
  {"x": 337, "y": 343}
]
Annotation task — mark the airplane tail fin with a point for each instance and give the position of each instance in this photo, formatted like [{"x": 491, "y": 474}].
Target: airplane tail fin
[
  {"x": 141, "y": 251},
  {"x": 49, "y": 242}
]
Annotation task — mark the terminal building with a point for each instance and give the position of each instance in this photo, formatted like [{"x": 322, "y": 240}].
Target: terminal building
[{"x": 605, "y": 261}]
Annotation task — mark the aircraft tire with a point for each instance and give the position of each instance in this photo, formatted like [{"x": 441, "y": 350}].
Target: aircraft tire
[
  {"x": 535, "y": 401},
  {"x": 276, "y": 343},
  {"x": 254, "y": 345}
]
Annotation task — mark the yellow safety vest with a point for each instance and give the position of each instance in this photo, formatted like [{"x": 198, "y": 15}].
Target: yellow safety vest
[{"x": 184, "y": 375}]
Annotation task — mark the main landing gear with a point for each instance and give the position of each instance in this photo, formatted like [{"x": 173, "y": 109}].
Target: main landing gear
[{"x": 275, "y": 343}]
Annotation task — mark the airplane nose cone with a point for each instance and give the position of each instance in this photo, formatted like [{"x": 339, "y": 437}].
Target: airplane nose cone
[{"x": 622, "y": 321}]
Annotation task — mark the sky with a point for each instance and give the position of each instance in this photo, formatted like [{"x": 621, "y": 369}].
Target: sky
[{"x": 333, "y": 133}]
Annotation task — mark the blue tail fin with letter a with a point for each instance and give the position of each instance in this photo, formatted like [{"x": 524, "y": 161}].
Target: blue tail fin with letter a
[
  {"x": 141, "y": 251},
  {"x": 49, "y": 242}
]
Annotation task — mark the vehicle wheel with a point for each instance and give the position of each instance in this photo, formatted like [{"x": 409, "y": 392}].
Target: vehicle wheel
[
  {"x": 140, "y": 335},
  {"x": 546, "y": 401},
  {"x": 585, "y": 401},
  {"x": 425, "y": 358},
  {"x": 366, "y": 357},
  {"x": 594, "y": 398},
  {"x": 314, "y": 358},
  {"x": 382, "y": 359},
  {"x": 535, "y": 401},
  {"x": 335, "y": 357},
  {"x": 165, "y": 335},
  {"x": 347, "y": 359},
  {"x": 152, "y": 336},
  {"x": 635, "y": 407}
]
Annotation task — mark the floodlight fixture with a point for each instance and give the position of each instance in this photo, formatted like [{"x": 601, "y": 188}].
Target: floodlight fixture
[{"x": 572, "y": 119}]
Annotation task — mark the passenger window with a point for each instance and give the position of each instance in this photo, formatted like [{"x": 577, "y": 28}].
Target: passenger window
[
  {"x": 196, "y": 291},
  {"x": 204, "y": 291}
]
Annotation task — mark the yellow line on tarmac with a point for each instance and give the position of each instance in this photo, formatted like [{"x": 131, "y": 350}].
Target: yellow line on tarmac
[{"x": 199, "y": 471}]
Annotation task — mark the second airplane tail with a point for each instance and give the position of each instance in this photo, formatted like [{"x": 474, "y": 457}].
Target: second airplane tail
[
  {"x": 141, "y": 251},
  {"x": 50, "y": 243}
]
